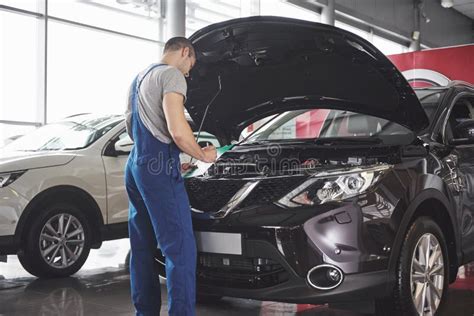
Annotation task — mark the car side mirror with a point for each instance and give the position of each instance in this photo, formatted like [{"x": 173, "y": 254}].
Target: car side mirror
[
  {"x": 464, "y": 133},
  {"x": 123, "y": 146}
]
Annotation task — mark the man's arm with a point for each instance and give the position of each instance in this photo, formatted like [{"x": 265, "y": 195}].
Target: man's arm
[
  {"x": 180, "y": 130},
  {"x": 128, "y": 113}
]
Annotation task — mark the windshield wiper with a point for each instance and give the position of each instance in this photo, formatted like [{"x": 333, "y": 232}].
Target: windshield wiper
[{"x": 347, "y": 140}]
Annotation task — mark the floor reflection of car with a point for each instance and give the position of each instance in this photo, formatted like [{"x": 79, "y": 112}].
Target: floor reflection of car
[
  {"x": 62, "y": 192},
  {"x": 352, "y": 195}
]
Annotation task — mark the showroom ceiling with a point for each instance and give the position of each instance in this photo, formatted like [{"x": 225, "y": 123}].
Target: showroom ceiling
[{"x": 466, "y": 7}]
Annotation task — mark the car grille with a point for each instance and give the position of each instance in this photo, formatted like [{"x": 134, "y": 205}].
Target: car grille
[
  {"x": 210, "y": 195},
  {"x": 239, "y": 272}
]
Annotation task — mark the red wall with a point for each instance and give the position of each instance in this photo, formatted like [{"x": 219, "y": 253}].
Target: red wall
[{"x": 456, "y": 63}]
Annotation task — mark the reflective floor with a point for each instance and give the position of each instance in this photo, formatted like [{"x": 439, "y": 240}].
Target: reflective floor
[{"x": 102, "y": 288}]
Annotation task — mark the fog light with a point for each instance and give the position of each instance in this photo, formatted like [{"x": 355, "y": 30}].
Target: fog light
[
  {"x": 334, "y": 275},
  {"x": 325, "y": 277}
]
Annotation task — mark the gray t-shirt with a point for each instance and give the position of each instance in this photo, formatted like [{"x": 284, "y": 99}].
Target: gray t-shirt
[{"x": 161, "y": 80}]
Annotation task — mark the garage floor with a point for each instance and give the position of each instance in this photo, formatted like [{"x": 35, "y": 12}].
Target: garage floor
[{"x": 102, "y": 288}]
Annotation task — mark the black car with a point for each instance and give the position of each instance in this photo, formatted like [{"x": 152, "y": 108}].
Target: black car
[{"x": 354, "y": 192}]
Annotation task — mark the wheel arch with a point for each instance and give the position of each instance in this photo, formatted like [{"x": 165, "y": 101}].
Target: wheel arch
[
  {"x": 434, "y": 204},
  {"x": 66, "y": 194}
]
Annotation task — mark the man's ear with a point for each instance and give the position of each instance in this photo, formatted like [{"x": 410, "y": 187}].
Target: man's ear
[{"x": 185, "y": 52}]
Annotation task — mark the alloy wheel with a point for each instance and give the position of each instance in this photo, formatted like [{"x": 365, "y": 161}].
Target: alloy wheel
[
  {"x": 61, "y": 240},
  {"x": 427, "y": 275}
]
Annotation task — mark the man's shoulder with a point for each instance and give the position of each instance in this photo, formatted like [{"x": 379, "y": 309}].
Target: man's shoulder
[
  {"x": 158, "y": 68},
  {"x": 163, "y": 68},
  {"x": 165, "y": 72}
]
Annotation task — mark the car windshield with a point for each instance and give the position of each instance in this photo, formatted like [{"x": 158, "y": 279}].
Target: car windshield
[
  {"x": 329, "y": 125},
  {"x": 430, "y": 99},
  {"x": 73, "y": 133}
]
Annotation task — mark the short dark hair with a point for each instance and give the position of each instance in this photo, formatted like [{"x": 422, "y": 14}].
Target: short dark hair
[{"x": 176, "y": 43}]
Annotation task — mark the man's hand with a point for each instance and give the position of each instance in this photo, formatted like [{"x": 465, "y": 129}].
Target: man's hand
[
  {"x": 186, "y": 166},
  {"x": 210, "y": 154}
]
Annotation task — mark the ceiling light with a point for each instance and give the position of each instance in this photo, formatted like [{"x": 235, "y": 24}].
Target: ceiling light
[{"x": 447, "y": 3}]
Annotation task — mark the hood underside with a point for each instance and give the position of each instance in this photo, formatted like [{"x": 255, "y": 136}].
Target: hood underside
[{"x": 269, "y": 65}]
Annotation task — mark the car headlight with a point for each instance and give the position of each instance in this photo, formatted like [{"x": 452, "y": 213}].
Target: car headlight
[
  {"x": 334, "y": 186},
  {"x": 7, "y": 178}
]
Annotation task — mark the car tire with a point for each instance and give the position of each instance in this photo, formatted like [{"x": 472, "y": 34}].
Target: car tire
[
  {"x": 419, "y": 288},
  {"x": 57, "y": 243}
]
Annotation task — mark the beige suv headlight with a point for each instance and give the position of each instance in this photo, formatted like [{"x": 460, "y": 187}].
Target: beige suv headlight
[{"x": 9, "y": 177}]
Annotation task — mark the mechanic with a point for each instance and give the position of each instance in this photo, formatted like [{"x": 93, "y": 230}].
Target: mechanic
[{"x": 159, "y": 213}]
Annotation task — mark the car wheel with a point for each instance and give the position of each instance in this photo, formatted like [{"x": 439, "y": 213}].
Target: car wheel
[
  {"x": 57, "y": 243},
  {"x": 422, "y": 271},
  {"x": 161, "y": 269}
]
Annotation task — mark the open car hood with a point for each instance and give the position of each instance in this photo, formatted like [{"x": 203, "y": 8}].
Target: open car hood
[{"x": 269, "y": 65}]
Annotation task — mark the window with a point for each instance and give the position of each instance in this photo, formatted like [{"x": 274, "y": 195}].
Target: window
[
  {"x": 386, "y": 46},
  {"x": 90, "y": 71},
  {"x": 282, "y": 8},
  {"x": 29, "y": 5},
  {"x": 140, "y": 19},
  {"x": 325, "y": 123},
  {"x": 254, "y": 126},
  {"x": 347, "y": 27},
  {"x": 462, "y": 110},
  {"x": 305, "y": 125},
  {"x": 301, "y": 124},
  {"x": 74, "y": 133},
  {"x": 19, "y": 73},
  {"x": 200, "y": 13},
  {"x": 430, "y": 101}
]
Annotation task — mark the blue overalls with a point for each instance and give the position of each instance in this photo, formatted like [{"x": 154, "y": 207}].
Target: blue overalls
[{"x": 159, "y": 212}]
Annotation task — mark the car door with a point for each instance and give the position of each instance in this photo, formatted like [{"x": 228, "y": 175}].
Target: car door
[
  {"x": 114, "y": 165},
  {"x": 460, "y": 163}
]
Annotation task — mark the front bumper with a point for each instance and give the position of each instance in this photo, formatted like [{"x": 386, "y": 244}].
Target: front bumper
[
  {"x": 355, "y": 236},
  {"x": 12, "y": 205},
  {"x": 275, "y": 260},
  {"x": 286, "y": 285}
]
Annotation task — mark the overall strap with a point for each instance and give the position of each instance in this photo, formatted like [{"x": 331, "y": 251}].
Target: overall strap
[{"x": 137, "y": 82}]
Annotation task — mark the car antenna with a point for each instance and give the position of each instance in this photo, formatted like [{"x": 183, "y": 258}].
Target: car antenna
[{"x": 207, "y": 108}]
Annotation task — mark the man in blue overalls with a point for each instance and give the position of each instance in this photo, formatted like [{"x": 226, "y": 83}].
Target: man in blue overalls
[{"x": 160, "y": 214}]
